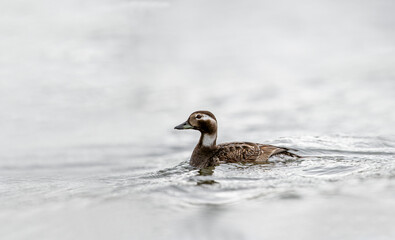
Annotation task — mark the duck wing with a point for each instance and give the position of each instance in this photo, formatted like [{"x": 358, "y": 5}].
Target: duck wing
[{"x": 245, "y": 152}]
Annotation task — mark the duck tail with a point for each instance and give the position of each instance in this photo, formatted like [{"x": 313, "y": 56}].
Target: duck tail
[{"x": 291, "y": 154}]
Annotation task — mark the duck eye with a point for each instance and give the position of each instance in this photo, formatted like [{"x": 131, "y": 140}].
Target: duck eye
[{"x": 198, "y": 116}]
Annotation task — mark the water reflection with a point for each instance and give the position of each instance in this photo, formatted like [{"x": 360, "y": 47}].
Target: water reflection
[
  {"x": 206, "y": 182},
  {"x": 206, "y": 171}
]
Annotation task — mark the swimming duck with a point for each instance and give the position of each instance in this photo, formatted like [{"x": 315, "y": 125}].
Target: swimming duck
[{"x": 207, "y": 153}]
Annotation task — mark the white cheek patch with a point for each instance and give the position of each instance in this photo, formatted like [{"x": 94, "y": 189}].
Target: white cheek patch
[{"x": 207, "y": 117}]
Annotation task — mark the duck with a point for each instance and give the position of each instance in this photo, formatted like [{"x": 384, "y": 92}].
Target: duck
[{"x": 208, "y": 153}]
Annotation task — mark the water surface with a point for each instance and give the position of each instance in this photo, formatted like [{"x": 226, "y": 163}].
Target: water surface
[{"x": 90, "y": 93}]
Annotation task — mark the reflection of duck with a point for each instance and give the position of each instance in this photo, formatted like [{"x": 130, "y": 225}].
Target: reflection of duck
[{"x": 207, "y": 153}]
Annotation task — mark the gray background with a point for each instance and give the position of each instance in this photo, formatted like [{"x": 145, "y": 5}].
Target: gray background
[{"x": 90, "y": 92}]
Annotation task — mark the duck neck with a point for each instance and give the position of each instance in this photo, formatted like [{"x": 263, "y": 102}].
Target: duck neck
[
  {"x": 208, "y": 140},
  {"x": 203, "y": 152}
]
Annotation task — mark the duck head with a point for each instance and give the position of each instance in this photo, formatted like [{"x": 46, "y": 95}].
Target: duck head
[{"x": 205, "y": 122}]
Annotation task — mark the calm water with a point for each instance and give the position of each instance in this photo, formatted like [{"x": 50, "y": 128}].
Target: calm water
[{"x": 90, "y": 92}]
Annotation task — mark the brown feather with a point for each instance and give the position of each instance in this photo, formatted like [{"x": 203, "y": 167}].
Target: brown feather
[
  {"x": 248, "y": 152},
  {"x": 207, "y": 153}
]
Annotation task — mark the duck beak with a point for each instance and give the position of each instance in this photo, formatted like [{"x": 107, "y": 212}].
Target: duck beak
[{"x": 184, "y": 125}]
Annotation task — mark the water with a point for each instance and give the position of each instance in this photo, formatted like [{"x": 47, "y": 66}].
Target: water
[{"x": 90, "y": 92}]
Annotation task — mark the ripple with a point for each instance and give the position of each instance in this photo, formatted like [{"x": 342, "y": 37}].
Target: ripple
[{"x": 280, "y": 179}]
